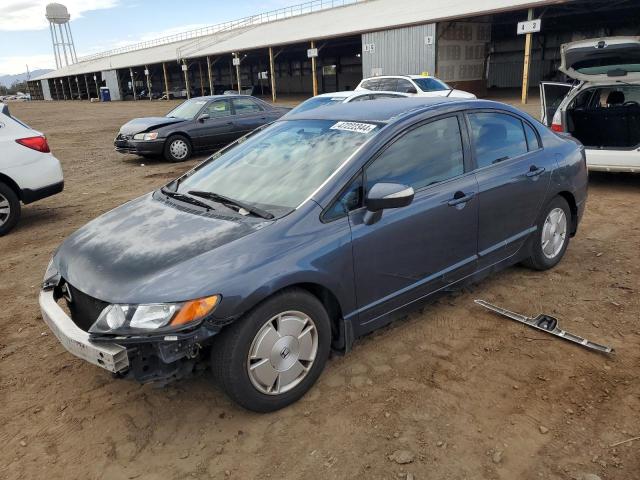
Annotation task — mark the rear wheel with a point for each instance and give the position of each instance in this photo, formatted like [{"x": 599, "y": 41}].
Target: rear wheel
[
  {"x": 274, "y": 354},
  {"x": 552, "y": 235},
  {"x": 177, "y": 148},
  {"x": 9, "y": 209}
]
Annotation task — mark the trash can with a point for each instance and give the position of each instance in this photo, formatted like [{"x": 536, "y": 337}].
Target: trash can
[{"x": 105, "y": 94}]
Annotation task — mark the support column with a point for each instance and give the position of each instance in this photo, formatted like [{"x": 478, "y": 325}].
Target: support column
[
  {"x": 314, "y": 72},
  {"x": 201, "y": 81},
  {"x": 166, "y": 79},
  {"x": 70, "y": 88},
  {"x": 209, "y": 74},
  {"x": 95, "y": 79},
  {"x": 55, "y": 87},
  {"x": 86, "y": 84},
  {"x": 527, "y": 62},
  {"x": 147, "y": 74},
  {"x": 272, "y": 74},
  {"x": 238, "y": 73},
  {"x": 133, "y": 84},
  {"x": 185, "y": 69}
]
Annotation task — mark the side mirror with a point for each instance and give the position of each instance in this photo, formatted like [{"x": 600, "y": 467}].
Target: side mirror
[
  {"x": 386, "y": 195},
  {"x": 203, "y": 117},
  {"x": 412, "y": 90}
]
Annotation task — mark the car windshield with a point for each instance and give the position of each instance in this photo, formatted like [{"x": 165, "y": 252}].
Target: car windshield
[
  {"x": 187, "y": 110},
  {"x": 279, "y": 167},
  {"x": 315, "y": 103},
  {"x": 430, "y": 84}
]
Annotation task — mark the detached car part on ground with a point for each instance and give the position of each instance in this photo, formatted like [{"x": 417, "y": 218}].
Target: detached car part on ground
[
  {"x": 197, "y": 125},
  {"x": 309, "y": 233},
  {"x": 28, "y": 170},
  {"x": 602, "y": 107}
]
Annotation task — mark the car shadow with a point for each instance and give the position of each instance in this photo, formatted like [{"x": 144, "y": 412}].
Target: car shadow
[{"x": 618, "y": 180}]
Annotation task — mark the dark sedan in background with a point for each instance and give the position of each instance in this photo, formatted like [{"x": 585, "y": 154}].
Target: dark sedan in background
[{"x": 199, "y": 124}]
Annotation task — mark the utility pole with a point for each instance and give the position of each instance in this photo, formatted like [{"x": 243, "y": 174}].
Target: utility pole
[
  {"x": 314, "y": 68},
  {"x": 527, "y": 61},
  {"x": 166, "y": 79},
  {"x": 272, "y": 74}
]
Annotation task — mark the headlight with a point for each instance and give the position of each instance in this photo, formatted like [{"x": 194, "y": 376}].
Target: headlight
[
  {"x": 146, "y": 136},
  {"x": 51, "y": 275},
  {"x": 123, "y": 319}
]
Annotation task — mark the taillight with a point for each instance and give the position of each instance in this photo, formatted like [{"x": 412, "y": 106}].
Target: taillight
[
  {"x": 36, "y": 143},
  {"x": 556, "y": 123},
  {"x": 556, "y": 127}
]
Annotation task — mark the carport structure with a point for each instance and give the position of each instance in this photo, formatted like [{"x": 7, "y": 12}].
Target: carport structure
[{"x": 330, "y": 45}]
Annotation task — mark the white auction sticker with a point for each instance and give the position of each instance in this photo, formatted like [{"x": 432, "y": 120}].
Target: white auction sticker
[{"x": 354, "y": 127}]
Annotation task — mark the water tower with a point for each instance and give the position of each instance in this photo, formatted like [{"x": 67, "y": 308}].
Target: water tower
[{"x": 61, "y": 38}]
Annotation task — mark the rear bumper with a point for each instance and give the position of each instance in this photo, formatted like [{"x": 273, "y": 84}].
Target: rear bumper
[
  {"x": 33, "y": 195},
  {"x": 151, "y": 147},
  {"x": 111, "y": 357}
]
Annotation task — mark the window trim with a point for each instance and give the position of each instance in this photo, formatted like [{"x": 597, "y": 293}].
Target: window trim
[{"x": 508, "y": 161}]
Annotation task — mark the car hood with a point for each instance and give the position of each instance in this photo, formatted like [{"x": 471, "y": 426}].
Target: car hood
[
  {"x": 145, "y": 250},
  {"x": 138, "y": 125},
  {"x": 602, "y": 59}
]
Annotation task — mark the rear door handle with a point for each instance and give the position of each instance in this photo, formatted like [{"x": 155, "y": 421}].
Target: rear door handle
[
  {"x": 460, "y": 197},
  {"x": 535, "y": 171}
]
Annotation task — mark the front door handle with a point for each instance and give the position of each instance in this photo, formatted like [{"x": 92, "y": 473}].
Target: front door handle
[
  {"x": 535, "y": 171},
  {"x": 460, "y": 197}
]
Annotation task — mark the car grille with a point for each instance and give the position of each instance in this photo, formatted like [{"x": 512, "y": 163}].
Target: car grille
[{"x": 84, "y": 309}]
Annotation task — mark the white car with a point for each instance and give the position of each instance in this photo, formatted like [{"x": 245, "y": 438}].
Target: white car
[
  {"x": 346, "y": 96},
  {"x": 419, "y": 85},
  {"x": 28, "y": 171},
  {"x": 602, "y": 107}
]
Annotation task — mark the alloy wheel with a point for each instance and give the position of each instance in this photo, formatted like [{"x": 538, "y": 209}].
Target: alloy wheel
[
  {"x": 554, "y": 233},
  {"x": 282, "y": 352},
  {"x": 5, "y": 209}
]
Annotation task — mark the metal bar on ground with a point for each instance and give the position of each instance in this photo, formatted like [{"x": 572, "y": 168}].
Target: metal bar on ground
[{"x": 527, "y": 62}]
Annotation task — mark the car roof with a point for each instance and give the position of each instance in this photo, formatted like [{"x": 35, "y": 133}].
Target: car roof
[
  {"x": 383, "y": 110},
  {"x": 354, "y": 93},
  {"x": 400, "y": 76},
  {"x": 217, "y": 97}
]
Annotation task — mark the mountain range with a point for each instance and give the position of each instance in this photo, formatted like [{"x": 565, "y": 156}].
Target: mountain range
[{"x": 8, "y": 80}]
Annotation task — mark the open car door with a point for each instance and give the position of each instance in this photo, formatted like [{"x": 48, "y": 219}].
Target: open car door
[{"x": 551, "y": 96}]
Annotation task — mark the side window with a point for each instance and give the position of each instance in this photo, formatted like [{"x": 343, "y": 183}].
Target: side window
[
  {"x": 386, "y": 95},
  {"x": 219, "y": 108},
  {"x": 361, "y": 98},
  {"x": 427, "y": 154},
  {"x": 532, "y": 139},
  {"x": 388, "y": 84},
  {"x": 349, "y": 199},
  {"x": 245, "y": 105},
  {"x": 496, "y": 137},
  {"x": 368, "y": 84},
  {"x": 405, "y": 86}
]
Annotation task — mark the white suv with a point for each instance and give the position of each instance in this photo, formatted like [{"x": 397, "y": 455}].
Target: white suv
[
  {"x": 28, "y": 171},
  {"x": 602, "y": 107},
  {"x": 419, "y": 85}
]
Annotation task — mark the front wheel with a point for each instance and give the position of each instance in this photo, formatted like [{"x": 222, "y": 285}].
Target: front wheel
[
  {"x": 9, "y": 209},
  {"x": 177, "y": 148},
  {"x": 552, "y": 235},
  {"x": 274, "y": 354}
]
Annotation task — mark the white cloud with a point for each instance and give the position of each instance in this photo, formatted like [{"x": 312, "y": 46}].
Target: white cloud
[
  {"x": 12, "y": 65},
  {"x": 21, "y": 15}
]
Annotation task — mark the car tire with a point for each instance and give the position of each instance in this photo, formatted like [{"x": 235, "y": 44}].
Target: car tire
[
  {"x": 9, "y": 208},
  {"x": 274, "y": 354},
  {"x": 177, "y": 148},
  {"x": 551, "y": 238}
]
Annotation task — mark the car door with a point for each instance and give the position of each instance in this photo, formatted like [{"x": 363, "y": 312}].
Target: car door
[
  {"x": 413, "y": 251},
  {"x": 213, "y": 126},
  {"x": 248, "y": 115},
  {"x": 551, "y": 96},
  {"x": 513, "y": 173}
]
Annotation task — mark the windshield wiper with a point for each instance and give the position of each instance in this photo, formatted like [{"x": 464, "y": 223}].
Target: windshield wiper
[
  {"x": 223, "y": 199},
  {"x": 186, "y": 198}
]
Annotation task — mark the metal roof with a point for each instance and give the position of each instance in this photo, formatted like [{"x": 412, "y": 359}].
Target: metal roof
[{"x": 351, "y": 19}]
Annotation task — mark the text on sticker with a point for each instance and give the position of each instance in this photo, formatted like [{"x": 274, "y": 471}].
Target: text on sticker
[{"x": 354, "y": 127}]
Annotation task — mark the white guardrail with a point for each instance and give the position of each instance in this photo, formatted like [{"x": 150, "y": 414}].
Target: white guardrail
[{"x": 266, "y": 17}]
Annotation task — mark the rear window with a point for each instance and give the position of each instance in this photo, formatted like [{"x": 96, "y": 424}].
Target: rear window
[{"x": 316, "y": 102}]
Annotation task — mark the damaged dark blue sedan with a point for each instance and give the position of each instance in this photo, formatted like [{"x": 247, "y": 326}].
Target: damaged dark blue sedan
[{"x": 308, "y": 233}]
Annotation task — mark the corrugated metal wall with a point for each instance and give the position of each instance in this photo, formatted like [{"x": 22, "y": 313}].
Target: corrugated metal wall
[
  {"x": 46, "y": 93},
  {"x": 400, "y": 51},
  {"x": 110, "y": 78}
]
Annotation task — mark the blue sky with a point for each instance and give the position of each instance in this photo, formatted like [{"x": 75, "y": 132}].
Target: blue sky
[{"x": 104, "y": 24}]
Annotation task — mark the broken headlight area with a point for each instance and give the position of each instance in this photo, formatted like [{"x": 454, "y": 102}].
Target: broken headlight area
[{"x": 118, "y": 319}]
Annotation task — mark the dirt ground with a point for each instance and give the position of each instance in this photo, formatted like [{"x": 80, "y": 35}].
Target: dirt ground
[{"x": 453, "y": 391}]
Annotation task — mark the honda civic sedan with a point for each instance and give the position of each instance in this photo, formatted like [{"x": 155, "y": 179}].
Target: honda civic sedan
[
  {"x": 309, "y": 233},
  {"x": 199, "y": 124}
]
